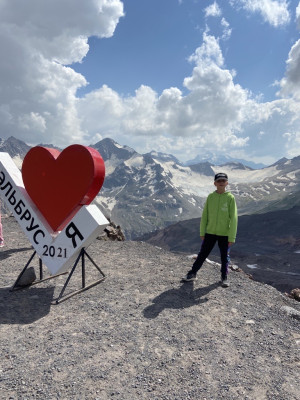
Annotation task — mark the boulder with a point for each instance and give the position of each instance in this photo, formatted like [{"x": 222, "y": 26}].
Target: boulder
[
  {"x": 28, "y": 277},
  {"x": 112, "y": 232}
]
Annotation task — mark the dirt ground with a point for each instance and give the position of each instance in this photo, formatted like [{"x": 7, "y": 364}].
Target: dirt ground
[{"x": 142, "y": 333}]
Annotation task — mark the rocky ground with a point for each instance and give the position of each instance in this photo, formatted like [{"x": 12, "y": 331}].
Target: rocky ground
[{"x": 143, "y": 334}]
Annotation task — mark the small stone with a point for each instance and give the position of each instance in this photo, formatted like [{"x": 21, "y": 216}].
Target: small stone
[{"x": 28, "y": 277}]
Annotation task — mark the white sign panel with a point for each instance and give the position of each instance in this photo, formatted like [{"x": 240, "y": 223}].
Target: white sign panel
[{"x": 58, "y": 250}]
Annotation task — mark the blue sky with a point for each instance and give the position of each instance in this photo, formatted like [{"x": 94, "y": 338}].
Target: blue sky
[
  {"x": 152, "y": 43},
  {"x": 182, "y": 77}
]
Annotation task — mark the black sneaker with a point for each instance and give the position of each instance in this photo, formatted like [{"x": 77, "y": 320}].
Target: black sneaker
[
  {"x": 191, "y": 276},
  {"x": 225, "y": 282}
]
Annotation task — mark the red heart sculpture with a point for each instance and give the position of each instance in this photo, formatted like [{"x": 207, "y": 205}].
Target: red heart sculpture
[{"x": 60, "y": 183}]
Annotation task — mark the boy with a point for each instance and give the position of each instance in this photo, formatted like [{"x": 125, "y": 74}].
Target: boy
[{"x": 218, "y": 224}]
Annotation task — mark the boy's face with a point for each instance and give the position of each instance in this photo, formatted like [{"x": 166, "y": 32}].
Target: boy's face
[{"x": 221, "y": 183}]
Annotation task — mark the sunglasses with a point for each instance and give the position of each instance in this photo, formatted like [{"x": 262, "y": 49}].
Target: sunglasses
[{"x": 222, "y": 180}]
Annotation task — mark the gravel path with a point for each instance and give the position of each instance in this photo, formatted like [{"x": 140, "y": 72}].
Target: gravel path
[{"x": 142, "y": 334}]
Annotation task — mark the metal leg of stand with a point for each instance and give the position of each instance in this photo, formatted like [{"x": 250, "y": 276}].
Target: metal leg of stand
[
  {"x": 93, "y": 262},
  {"x": 61, "y": 298},
  {"x": 84, "y": 287},
  {"x": 68, "y": 279},
  {"x": 41, "y": 268},
  {"x": 83, "y": 269}
]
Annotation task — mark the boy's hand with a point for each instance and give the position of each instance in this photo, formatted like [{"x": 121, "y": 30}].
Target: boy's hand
[
  {"x": 230, "y": 244},
  {"x": 202, "y": 237}
]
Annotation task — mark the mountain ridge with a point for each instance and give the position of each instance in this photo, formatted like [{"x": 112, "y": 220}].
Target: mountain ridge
[
  {"x": 223, "y": 159},
  {"x": 146, "y": 192}
]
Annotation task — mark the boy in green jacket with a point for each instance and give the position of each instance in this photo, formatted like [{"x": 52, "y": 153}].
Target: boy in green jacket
[{"x": 218, "y": 224}]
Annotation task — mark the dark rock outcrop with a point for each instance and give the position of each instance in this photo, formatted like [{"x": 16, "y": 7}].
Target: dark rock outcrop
[{"x": 112, "y": 232}]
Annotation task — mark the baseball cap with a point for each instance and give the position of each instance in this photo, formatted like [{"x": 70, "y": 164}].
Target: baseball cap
[{"x": 221, "y": 175}]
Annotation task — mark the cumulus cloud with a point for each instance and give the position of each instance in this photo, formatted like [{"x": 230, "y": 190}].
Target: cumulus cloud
[
  {"x": 298, "y": 15},
  {"x": 214, "y": 112},
  {"x": 290, "y": 84},
  {"x": 226, "y": 29},
  {"x": 292, "y": 143},
  {"x": 213, "y": 10},
  {"x": 37, "y": 41},
  {"x": 275, "y": 12},
  {"x": 38, "y": 101},
  {"x": 214, "y": 105}
]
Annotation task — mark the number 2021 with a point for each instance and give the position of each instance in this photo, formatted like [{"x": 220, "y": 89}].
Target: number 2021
[{"x": 51, "y": 251}]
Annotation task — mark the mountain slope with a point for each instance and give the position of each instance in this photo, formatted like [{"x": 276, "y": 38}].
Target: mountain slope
[
  {"x": 269, "y": 243},
  {"x": 146, "y": 192}
]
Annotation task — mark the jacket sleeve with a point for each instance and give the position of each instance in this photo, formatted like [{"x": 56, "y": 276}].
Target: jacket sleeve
[
  {"x": 233, "y": 221},
  {"x": 204, "y": 218}
]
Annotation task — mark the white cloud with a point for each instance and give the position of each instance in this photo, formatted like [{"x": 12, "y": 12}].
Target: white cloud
[
  {"x": 38, "y": 92},
  {"x": 275, "y": 12},
  {"x": 213, "y": 10},
  {"x": 38, "y": 101},
  {"x": 226, "y": 29},
  {"x": 215, "y": 113},
  {"x": 210, "y": 52},
  {"x": 292, "y": 143},
  {"x": 298, "y": 15},
  {"x": 214, "y": 106},
  {"x": 290, "y": 84},
  {"x": 32, "y": 121}
]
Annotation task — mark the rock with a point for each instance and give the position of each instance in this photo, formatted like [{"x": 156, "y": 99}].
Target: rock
[
  {"x": 291, "y": 312},
  {"x": 28, "y": 277},
  {"x": 112, "y": 232},
  {"x": 295, "y": 294},
  {"x": 234, "y": 267}
]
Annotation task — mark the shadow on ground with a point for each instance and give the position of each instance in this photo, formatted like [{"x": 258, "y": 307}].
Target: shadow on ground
[
  {"x": 24, "y": 306},
  {"x": 8, "y": 252},
  {"x": 183, "y": 297}
]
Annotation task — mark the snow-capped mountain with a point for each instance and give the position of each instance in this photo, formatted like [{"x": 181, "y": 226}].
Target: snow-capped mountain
[
  {"x": 142, "y": 193},
  {"x": 208, "y": 156},
  {"x": 146, "y": 192},
  {"x": 15, "y": 148},
  {"x": 163, "y": 157}
]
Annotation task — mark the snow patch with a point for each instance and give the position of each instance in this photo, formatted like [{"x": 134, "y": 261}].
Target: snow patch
[
  {"x": 136, "y": 162},
  {"x": 241, "y": 176},
  {"x": 111, "y": 165},
  {"x": 18, "y": 161},
  {"x": 252, "y": 266},
  {"x": 292, "y": 175},
  {"x": 107, "y": 202}
]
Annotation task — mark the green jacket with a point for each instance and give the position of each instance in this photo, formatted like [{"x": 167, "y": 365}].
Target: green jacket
[{"x": 219, "y": 216}]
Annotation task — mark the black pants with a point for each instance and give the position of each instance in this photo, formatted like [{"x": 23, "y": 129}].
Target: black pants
[{"x": 207, "y": 246}]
